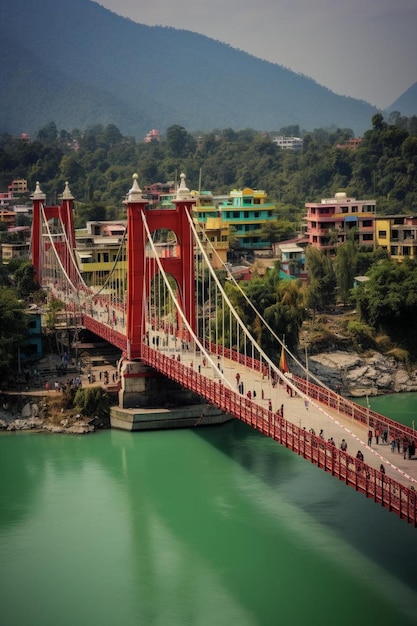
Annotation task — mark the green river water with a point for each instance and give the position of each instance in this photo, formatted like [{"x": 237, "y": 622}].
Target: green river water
[{"x": 206, "y": 526}]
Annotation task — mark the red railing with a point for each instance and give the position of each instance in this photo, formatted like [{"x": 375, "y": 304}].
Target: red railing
[
  {"x": 329, "y": 398},
  {"x": 361, "y": 414},
  {"x": 105, "y": 332},
  {"x": 386, "y": 491}
]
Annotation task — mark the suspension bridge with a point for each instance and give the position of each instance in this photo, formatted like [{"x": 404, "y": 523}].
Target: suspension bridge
[{"x": 164, "y": 307}]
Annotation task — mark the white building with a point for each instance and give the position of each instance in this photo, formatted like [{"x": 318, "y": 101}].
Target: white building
[{"x": 288, "y": 143}]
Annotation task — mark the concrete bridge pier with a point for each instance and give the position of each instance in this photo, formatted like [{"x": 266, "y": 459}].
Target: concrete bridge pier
[{"x": 148, "y": 400}]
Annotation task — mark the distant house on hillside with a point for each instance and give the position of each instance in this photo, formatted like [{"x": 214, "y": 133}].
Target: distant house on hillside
[
  {"x": 351, "y": 144},
  {"x": 152, "y": 136},
  {"x": 288, "y": 143}
]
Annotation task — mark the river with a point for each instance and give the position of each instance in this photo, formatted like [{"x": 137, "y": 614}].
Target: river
[{"x": 199, "y": 527}]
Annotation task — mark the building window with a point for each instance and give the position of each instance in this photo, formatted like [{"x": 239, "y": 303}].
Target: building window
[
  {"x": 382, "y": 234},
  {"x": 368, "y": 237},
  {"x": 367, "y": 223}
]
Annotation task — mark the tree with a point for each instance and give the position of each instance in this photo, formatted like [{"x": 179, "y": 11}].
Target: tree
[
  {"x": 179, "y": 141},
  {"x": 321, "y": 288},
  {"x": 285, "y": 317},
  {"x": 388, "y": 301},
  {"x": 12, "y": 329},
  {"x": 345, "y": 268},
  {"x": 51, "y": 320},
  {"x": 49, "y": 133},
  {"x": 92, "y": 402},
  {"x": 277, "y": 230},
  {"x": 24, "y": 279}
]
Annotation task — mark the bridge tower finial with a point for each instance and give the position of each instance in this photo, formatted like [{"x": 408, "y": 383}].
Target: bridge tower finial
[
  {"x": 183, "y": 193},
  {"x": 38, "y": 193},
  {"x": 135, "y": 193},
  {"x": 67, "y": 195}
]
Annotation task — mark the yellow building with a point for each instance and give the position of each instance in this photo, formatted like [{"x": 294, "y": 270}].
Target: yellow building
[
  {"x": 215, "y": 235},
  {"x": 18, "y": 186},
  {"x": 11, "y": 251},
  {"x": 397, "y": 234},
  {"x": 99, "y": 253}
]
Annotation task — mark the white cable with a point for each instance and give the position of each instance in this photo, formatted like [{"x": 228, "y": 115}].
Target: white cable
[{"x": 179, "y": 309}]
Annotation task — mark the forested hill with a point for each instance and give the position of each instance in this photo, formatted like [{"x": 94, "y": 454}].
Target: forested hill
[{"x": 79, "y": 64}]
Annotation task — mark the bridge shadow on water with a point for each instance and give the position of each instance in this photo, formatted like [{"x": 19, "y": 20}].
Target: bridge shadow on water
[{"x": 320, "y": 499}]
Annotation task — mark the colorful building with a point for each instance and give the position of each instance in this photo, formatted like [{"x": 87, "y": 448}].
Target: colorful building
[
  {"x": 98, "y": 249},
  {"x": 292, "y": 258},
  {"x": 330, "y": 221},
  {"x": 17, "y": 250},
  {"x": 157, "y": 191},
  {"x": 397, "y": 234},
  {"x": 245, "y": 212},
  {"x": 215, "y": 233}
]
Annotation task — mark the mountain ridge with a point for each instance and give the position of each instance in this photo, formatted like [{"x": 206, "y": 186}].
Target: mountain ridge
[{"x": 95, "y": 67}]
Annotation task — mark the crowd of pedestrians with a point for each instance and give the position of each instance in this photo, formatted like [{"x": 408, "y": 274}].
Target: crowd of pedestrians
[{"x": 403, "y": 445}]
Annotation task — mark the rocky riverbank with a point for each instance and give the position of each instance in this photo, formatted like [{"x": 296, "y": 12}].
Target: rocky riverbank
[
  {"x": 23, "y": 412},
  {"x": 359, "y": 375},
  {"x": 352, "y": 374}
]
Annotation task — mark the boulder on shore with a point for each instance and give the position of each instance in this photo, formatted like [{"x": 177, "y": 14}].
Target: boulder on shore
[{"x": 358, "y": 375}]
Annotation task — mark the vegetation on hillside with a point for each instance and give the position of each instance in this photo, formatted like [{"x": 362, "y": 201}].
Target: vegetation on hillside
[{"x": 99, "y": 162}]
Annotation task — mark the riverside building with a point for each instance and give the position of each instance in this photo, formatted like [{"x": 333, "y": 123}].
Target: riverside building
[{"x": 330, "y": 221}]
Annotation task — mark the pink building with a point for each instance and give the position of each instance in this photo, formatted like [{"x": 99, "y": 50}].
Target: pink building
[
  {"x": 330, "y": 221},
  {"x": 152, "y": 135}
]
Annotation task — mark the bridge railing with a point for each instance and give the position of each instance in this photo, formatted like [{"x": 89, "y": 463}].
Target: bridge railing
[
  {"x": 386, "y": 491},
  {"x": 325, "y": 396},
  {"x": 105, "y": 332},
  {"x": 361, "y": 414}
]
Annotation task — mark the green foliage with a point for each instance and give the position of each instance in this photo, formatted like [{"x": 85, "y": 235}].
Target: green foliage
[
  {"x": 388, "y": 301},
  {"x": 68, "y": 395},
  {"x": 361, "y": 335},
  {"x": 278, "y": 230},
  {"x": 281, "y": 304},
  {"x": 24, "y": 280},
  {"x": 345, "y": 265},
  {"x": 99, "y": 163},
  {"x": 321, "y": 288},
  {"x": 92, "y": 402},
  {"x": 12, "y": 329},
  {"x": 51, "y": 319}
]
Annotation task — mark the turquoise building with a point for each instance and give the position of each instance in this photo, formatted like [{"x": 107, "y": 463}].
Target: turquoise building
[{"x": 245, "y": 212}]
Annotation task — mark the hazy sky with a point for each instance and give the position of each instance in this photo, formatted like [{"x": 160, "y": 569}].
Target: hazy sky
[{"x": 361, "y": 48}]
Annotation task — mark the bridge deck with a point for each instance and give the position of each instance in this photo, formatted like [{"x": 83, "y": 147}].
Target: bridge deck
[{"x": 304, "y": 415}]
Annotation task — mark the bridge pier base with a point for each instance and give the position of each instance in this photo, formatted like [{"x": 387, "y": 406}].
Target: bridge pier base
[{"x": 149, "y": 400}]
